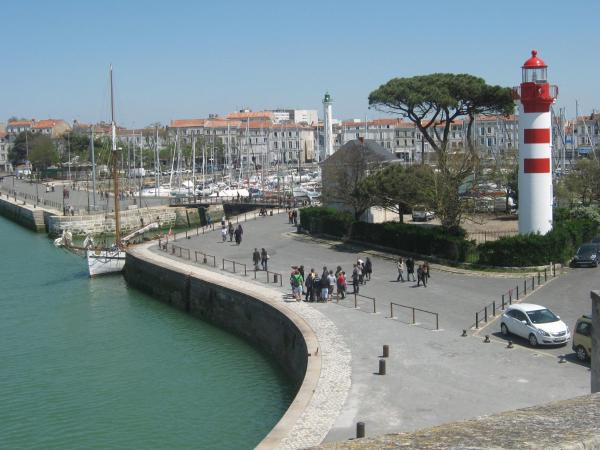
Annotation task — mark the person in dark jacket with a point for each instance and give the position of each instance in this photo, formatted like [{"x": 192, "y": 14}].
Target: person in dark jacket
[
  {"x": 410, "y": 269},
  {"x": 368, "y": 269},
  {"x": 255, "y": 258},
  {"x": 238, "y": 234},
  {"x": 264, "y": 258}
]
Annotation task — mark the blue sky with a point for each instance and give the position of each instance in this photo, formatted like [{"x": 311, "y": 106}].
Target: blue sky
[{"x": 183, "y": 59}]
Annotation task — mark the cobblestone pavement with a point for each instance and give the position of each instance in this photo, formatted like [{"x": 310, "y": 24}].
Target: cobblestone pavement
[{"x": 432, "y": 377}]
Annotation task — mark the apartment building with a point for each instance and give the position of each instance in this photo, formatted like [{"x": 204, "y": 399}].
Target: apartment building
[
  {"x": 14, "y": 127},
  {"x": 586, "y": 133},
  {"x": 244, "y": 137},
  {"x": 53, "y": 128},
  {"x": 5, "y": 165}
]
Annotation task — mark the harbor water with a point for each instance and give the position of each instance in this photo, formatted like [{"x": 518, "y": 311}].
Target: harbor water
[{"x": 94, "y": 364}]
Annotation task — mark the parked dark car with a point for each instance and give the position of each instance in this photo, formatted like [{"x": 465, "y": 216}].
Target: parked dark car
[{"x": 587, "y": 255}]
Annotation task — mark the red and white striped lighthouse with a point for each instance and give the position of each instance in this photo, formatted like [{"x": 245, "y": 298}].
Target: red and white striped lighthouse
[{"x": 535, "y": 147}]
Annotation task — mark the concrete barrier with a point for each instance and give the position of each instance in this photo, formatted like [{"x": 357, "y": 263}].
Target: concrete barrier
[
  {"x": 25, "y": 215},
  {"x": 252, "y": 312}
]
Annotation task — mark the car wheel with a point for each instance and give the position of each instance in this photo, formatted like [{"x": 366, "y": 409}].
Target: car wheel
[
  {"x": 504, "y": 330},
  {"x": 533, "y": 340},
  {"x": 581, "y": 353},
  {"x": 595, "y": 263}
]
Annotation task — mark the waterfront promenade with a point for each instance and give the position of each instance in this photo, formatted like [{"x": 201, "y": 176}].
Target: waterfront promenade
[{"x": 433, "y": 376}]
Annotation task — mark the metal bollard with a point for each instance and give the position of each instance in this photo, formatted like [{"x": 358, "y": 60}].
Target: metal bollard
[
  {"x": 274, "y": 278},
  {"x": 386, "y": 351},
  {"x": 545, "y": 275},
  {"x": 360, "y": 430},
  {"x": 503, "y": 302},
  {"x": 476, "y": 320},
  {"x": 525, "y": 287},
  {"x": 517, "y": 292},
  {"x": 382, "y": 367}
]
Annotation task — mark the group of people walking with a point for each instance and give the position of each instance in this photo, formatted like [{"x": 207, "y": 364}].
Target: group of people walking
[
  {"x": 261, "y": 257},
  {"x": 233, "y": 232},
  {"x": 322, "y": 287},
  {"x": 408, "y": 266}
]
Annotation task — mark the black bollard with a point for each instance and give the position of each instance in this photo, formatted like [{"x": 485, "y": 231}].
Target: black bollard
[
  {"x": 382, "y": 367},
  {"x": 360, "y": 430},
  {"x": 386, "y": 351}
]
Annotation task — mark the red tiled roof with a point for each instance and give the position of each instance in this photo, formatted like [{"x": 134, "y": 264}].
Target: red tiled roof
[
  {"x": 251, "y": 115},
  {"x": 187, "y": 123},
  {"x": 19, "y": 123},
  {"x": 46, "y": 123}
]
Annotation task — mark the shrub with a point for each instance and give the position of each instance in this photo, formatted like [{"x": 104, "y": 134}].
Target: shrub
[
  {"x": 424, "y": 240},
  {"x": 558, "y": 245},
  {"x": 326, "y": 220}
]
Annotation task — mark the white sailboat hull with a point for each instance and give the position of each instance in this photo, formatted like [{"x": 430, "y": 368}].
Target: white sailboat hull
[{"x": 105, "y": 261}]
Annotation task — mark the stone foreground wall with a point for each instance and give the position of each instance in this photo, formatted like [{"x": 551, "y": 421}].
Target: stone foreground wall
[
  {"x": 567, "y": 424},
  {"x": 253, "y": 320},
  {"x": 130, "y": 220},
  {"x": 25, "y": 215}
]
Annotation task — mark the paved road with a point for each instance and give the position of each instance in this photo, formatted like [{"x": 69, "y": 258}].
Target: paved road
[
  {"x": 79, "y": 198},
  {"x": 433, "y": 376}
]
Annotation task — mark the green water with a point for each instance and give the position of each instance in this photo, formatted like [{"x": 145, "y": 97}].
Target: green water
[{"x": 95, "y": 364}]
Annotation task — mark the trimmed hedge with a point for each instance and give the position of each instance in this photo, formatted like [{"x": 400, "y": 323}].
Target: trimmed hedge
[
  {"x": 326, "y": 220},
  {"x": 558, "y": 245},
  {"x": 424, "y": 240}
]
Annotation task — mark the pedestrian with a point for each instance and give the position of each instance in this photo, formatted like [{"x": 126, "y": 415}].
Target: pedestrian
[
  {"x": 301, "y": 270},
  {"x": 368, "y": 269},
  {"x": 256, "y": 258},
  {"x": 208, "y": 220},
  {"x": 332, "y": 282},
  {"x": 310, "y": 286},
  {"x": 361, "y": 273},
  {"x": 290, "y": 219},
  {"x": 296, "y": 282},
  {"x": 426, "y": 270},
  {"x": 410, "y": 269},
  {"x": 295, "y": 217},
  {"x": 264, "y": 258},
  {"x": 324, "y": 285},
  {"x": 355, "y": 278},
  {"x": 317, "y": 287},
  {"x": 338, "y": 270},
  {"x": 230, "y": 230},
  {"x": 421, "y": 276},
  {"x": 223, "y": 219},
  {"x": 341, "y": 284},
  {"x": 238, "y": 234},
  {"x": 400, "y": 266},
  {"x": 224, "y": 233}
]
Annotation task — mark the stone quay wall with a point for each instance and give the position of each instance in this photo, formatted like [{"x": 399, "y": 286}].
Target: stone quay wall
[
  {"x": 253, "y": 313},
  {"x": 131, "y": 220},
  {"x": 25, "y": 215}
]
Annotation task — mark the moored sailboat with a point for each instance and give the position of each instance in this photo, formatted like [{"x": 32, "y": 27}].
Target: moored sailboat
[{"x": 110, "y": 259}]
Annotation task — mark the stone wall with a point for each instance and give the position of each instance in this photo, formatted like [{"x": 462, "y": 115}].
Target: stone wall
[
  {"x": 255, "y": 321},
  {"x": 25, "y": 215},
  {"x": 567, "y": 424},
  {"x": 595, "y": 356},
  {"x": 130, "y": 220}
]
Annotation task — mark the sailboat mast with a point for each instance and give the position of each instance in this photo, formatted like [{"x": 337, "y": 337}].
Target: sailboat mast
[
  {"x": 115, "y": 161},
  {"x": 93, "y": 170}
]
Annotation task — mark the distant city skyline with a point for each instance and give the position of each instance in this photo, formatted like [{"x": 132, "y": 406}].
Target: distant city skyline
[{"x": 187, "y": 60}]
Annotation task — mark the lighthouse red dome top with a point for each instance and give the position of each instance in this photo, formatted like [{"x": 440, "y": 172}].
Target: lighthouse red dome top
[{"x": 534, "y": 61}]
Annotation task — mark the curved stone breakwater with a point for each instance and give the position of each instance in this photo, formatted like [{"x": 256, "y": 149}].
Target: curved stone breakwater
[{"x": 305, "y": 343}]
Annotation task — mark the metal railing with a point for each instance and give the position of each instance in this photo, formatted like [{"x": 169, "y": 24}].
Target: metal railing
[
  {"x": 413, "y": 309},
  {"x": 277, "y": 277},
  {"x": 205, "y": 257},
  {"x": 506, "y": 299},
  {"x": 234, "y": 263}
]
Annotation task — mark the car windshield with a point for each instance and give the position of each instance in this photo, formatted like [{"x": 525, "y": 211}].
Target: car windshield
[
  {"x": 542, "y": 316},
  {"x": 586, "y": 249}
]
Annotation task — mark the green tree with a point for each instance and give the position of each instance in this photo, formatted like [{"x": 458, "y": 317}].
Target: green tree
[
  {"x": 19, "y": 152},
  {"x": 42, "y": 152},
  {"x": 582, "y": 184},
  {"x": 399, "y": 189},
  {"x": 433, "y": 102}
]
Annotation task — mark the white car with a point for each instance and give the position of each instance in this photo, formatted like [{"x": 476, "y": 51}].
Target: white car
[{"x": 537, "y": 324}]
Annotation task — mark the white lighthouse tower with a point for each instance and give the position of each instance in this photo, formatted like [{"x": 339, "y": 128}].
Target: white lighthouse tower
[
  {"x": 535, "y": 147},
  {"x": 327, "y": 111}
]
